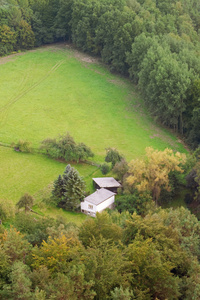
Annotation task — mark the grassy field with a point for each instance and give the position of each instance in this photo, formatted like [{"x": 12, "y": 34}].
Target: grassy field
[
  {"x": 54, "y": 89},
  {"x": 21, "y": 173}
]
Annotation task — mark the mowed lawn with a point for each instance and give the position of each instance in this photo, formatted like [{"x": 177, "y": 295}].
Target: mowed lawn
[
  {"x": 54, "y": 90},
  {"x": 21, "y": 173},
  {"x": 48, "y": 92}
]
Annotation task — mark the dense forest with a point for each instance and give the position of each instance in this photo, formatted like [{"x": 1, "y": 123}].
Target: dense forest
[
  {"x": 155, "y": 43},
  {"x": 113, "y": 256}
]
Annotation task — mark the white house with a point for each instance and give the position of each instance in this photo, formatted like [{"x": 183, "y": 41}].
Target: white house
[{"x": 97, "y": 202}]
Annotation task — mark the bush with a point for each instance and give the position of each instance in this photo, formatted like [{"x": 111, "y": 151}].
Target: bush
[
  {"x": 113, "y": 156},
  {"x": 22, "y": 146},
  {"x": 64, "y": 147},
  {"x": 25, "y": 201},
  {"x": 121, "y": 169},
  {"x": 105, "y": 168},
  {"x": 133, "y": 203}
]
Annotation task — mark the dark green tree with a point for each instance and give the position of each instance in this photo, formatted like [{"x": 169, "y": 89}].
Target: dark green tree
[
  {"x": 74, "y": 188},
  {"x": 20, "y": 286},
  {"x": 69, "y": 189},
  {"x": 133, "y": 203},
  {"x": 105, "y": 168},
  {"x": 58, "y": 192},
  {"x": 113, "y": 156}
]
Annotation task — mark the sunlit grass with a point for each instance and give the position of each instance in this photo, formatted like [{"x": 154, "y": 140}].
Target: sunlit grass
[
  {"x": 46, "y": 93},
  {"x": 21, "y": 173},
  {"x": 50, "y": 91}
]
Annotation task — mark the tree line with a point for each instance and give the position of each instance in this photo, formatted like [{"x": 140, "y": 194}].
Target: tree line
[
  {"x": 155, "y": 44},
  {"x": 113, "y": 256}
]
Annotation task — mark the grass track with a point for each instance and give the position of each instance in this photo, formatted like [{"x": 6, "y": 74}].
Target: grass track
[{"x": 54, "y": 89}]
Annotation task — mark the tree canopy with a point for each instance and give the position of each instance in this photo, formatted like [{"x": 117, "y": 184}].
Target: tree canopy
[{"x": 152, "y": 173}]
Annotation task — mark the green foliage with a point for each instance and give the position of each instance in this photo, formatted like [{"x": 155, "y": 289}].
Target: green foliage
[
  {"x": 188, "y": 228},
  {"x": 133, "y": 203},
  {"x": 120, "y": 169},
  {"x": 113, "y": 156},
  {"x": 25, "y": 201},
  {"x": 14, "y": 245},
  {"x": 151, "y": 271},
  {"x": 20, "y": 286},
  {"x": 25, "y": 36},
  {"x": 7, "y": 210},
  {"x": 7, "y": 40},
  {"x": 105, "y": 168},
  {"x": 121, "y": 294},
  {"x": 66, "y": 148},
  {"x": 101, "y": 226},
  {"x": 113, "y": 257},
  {"x": 4, "y": 266},
  {"x": 69, "y": 189},
  {"x": 33, "y": 227},
  {"x": 58, "y": 191},
  {"x": 107, "y": 266},
  {"x": 22, "y": 146}
]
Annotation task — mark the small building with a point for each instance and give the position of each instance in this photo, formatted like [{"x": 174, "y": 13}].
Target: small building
[
  {"x": 108, "y": 183},
  {"x": 97, "y": 202}
]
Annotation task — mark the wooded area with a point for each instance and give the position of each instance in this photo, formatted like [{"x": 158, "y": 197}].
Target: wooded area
[
  {"x": 155, "y": 43},
  {"x": 113, "y": 256}
]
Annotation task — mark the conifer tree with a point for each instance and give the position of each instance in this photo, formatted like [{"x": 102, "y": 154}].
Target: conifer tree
[
  {"x": 74, "y": 188},
  {"x": 58, "y": 189},
  {"x": 69, "y": 189}
]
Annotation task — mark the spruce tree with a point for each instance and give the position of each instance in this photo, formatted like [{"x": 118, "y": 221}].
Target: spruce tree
[
  {"x": 69, "y": 189},
  {"x": 74, "y": 188},
  {"x": 58, "y": 189}
]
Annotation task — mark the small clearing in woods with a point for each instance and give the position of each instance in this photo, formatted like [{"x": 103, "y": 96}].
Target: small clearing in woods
[{"x": 55, "y": 89}]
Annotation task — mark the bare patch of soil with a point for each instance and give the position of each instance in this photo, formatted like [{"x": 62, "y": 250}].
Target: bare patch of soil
[
  {"x": 11, "y": 57},
  {"x": 118, "y": 82},
  {"x": 81, "y": 56}
]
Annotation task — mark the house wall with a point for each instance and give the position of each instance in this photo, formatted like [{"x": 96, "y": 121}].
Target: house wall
[
  {"x": 91, "y": 209},
  {"x": 88, "y": 208},
  {"x": 105, "y": 204}
]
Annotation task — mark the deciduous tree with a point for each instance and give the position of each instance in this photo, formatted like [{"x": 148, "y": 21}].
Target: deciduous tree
[
  {"x": 152, "y": 173},
  {"x": 25, "y": 201}
]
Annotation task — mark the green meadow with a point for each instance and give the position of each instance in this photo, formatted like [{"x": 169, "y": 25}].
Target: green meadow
[{"x": 54, "y": 90}]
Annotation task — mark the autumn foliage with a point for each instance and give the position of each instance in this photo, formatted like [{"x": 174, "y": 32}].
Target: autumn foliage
[{"x": 152, "y": 173}]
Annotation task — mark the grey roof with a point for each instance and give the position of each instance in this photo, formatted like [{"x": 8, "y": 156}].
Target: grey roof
[
  {"x": 106, "y": 182},
  {"x": 99, "y": 196}
]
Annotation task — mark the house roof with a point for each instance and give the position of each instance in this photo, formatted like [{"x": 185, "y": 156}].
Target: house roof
[
  {"x": 106, "y": 182},
  {"x": 99, "y": 196}
]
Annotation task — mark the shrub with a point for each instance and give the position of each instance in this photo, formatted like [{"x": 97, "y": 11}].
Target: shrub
[
  {"x": 25, "y": 201},
  {"x": 113, "y": 156},
  {"x": 105, "y": 168},
  {"x": 64, "y": 147},
  {"x": 22, "y": 146}
]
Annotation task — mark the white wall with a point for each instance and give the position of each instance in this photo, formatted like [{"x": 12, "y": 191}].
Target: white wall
[
  {"x": 97, "y": 208},
  {"x": 84, "y": 205},
  {"x": 105, "y": 204}
]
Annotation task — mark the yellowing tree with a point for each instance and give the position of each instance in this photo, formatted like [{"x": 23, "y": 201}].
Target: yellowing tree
[{"x": 152, "y": 173}]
